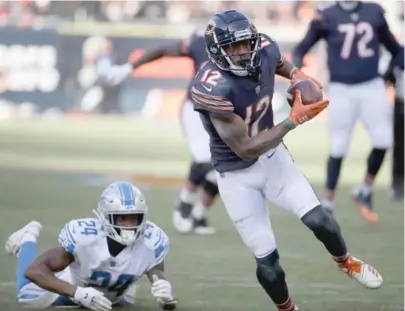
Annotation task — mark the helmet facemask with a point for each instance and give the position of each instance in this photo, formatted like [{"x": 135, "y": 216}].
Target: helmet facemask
[
  {"x": 239, "y": 54},
  {"x": 123, "y": 234},
  {"x": 122, "y": 211}
]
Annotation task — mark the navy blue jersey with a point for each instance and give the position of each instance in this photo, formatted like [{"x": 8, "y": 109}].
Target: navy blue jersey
[
  {"x": 194, "y": 48},
  {"x": 216, "y": 91},
  {"x": 353, "y": 39}
]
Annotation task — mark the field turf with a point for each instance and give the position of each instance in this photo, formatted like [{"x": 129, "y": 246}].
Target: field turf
[{"x": 54, "y": 170}]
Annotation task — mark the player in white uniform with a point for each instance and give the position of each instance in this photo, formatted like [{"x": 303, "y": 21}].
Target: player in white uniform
[{"x": 98, "y": 260}]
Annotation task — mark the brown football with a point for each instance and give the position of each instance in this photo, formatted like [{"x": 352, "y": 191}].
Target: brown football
[{"x": 310, "y": 92}]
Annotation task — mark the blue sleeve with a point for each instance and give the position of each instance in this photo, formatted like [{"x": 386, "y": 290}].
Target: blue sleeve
[
  {"x": 210, "y": 91},
  {"x": 188, "y": 43},
  {"x": 396, "y": 62},
  {"x": 315, "y": 32},
  {"x": 386, "y": 37},
  {"x": 272, "y": 48},
  {"x": 210, "y": 101}
]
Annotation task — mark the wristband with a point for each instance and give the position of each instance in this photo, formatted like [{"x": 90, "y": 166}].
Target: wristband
[{"x": 289, "y": 123}]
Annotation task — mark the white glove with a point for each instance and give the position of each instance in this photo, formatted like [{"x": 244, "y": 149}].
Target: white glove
[
  {"x": 162, "y": 291},
  {"x": 117, "y": 74},
  {"x": 93, "y": 299}
]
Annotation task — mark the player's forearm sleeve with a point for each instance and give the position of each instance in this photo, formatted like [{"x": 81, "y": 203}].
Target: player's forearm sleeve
[{"x": 388, "y": 40}]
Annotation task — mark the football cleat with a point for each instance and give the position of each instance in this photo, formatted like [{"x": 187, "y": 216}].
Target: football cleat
[
  {"x": 362, "y": 272},
  {"x": 182, "y": 225},
  {"x": 364, "y": 203},
  {"x": 397, "y": 193},
  {"x": 201, "y": 227},
  {"x": 13, "y": 242}
]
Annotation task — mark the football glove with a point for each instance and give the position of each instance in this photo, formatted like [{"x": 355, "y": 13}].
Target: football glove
[
  {"x": 117, "y": 74},
  {"x": 92, "y": 299},
  {"x": 162, "y": 291},
  {"x": 297, "y": 74},
  {"x": 301, "y": 113}
]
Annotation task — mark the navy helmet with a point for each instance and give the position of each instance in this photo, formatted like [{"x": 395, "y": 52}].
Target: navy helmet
[{"x": 225, "y": 29}]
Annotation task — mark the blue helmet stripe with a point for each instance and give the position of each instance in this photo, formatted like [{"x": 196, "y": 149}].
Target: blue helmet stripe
[{"x": 126, "y": 193}]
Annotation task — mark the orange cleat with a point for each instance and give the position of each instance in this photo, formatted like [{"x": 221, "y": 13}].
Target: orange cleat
[{"x": 362, "y": 272}]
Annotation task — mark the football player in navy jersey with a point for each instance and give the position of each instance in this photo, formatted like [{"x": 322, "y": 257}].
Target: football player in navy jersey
[
  {"x": 233, "y": 93},
  {"x": 190, "y": 212},
  {"x": 353, "y": 31}
]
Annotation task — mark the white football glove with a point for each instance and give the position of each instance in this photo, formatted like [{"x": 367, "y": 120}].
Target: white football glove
[
  {"x": 93, "y": 299},
  {"x": 117, "y": 74},
  {"x": 162, "y": 291}
]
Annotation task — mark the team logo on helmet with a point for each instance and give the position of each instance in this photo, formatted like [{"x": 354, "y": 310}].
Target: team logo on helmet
[{"x": 210, "y": 31}]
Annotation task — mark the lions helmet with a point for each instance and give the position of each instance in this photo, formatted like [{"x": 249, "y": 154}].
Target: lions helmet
[
  {"x": 223, "y": 31},
  {"x": 122, "y": 199}
]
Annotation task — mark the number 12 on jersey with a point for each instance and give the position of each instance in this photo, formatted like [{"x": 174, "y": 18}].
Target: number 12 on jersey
[{"x": 261, "y": 107}]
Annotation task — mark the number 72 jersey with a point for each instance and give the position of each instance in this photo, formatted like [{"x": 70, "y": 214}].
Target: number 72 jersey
[
  {"x": 95, "y": 267},
  {"x": 221, "y": 92},
  {"x": 353, "y": 41}
]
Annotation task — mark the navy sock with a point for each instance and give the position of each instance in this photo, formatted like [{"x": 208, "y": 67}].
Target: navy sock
[
  {"x": 375, "y": 161},
  {"x": 333, "y": 172}
]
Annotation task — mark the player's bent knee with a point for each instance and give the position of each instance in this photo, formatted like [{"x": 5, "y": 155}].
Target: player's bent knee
[
  {"x": 338, "y": 150},
  {"x": 33, "y": 301},
  {"x": 261, "y": 244},
  {"x": 269, "y": 269},
  {"x": 380, "y": 141},
  {"x": 210, "y": 188},
  {"x": 198, "y": 172},
  {"x": 339, "y": 143},
  {"x": 211, "y": 177},
  {"x": 318, "y": 219},
  {"x": 33, "y": 297}
]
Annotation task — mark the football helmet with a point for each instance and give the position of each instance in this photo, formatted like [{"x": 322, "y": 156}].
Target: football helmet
[
  {"x": 122, "y": 199},
  {"x": 227, "y": 30}
]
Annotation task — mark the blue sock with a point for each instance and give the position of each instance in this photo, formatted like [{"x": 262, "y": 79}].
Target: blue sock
[
  {"x": 333, "y": 172},
  {"x": 375, "y": 160},
  {"x": 27, "y": 254}
]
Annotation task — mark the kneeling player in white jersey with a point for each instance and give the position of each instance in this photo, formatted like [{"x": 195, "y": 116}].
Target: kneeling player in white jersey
[{"x": 98, "y": 260}]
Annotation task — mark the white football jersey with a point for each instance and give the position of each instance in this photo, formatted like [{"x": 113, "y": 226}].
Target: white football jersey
[{"x": 95, "y": 267}]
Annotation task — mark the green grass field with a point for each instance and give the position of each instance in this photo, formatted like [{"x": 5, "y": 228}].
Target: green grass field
[{"x": 44, "y": 168}]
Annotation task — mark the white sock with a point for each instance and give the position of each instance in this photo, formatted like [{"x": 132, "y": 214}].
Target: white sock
[
  {"x": 29, "y": 237},
  {"x": 199, "y": 211},
  {"x": 365, "y": 189},
  {"x": 188, "y": 197}
]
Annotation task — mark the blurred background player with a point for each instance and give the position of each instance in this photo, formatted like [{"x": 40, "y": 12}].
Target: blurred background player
[
  {"x": 353, "y": 31},
  {"x": 233, "y": 94},
  {"x": 191, "y": 209},
  {"x": 395, "y": 75},
  {"x": 98, "y": 260}
]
